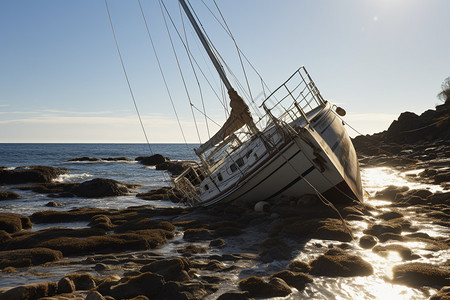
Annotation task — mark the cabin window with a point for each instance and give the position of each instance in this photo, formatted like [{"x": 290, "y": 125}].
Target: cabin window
[
  {"x": 240, "y": 162},
  {"x": 206, "y": 187},
  {"x": 219, "y": 176},
  {"x": 248, "y": 153},
  {"x": 233, "y": 168}
]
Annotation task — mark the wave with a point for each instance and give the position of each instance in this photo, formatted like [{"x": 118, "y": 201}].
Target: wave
[{"x": 72, "y": 177}]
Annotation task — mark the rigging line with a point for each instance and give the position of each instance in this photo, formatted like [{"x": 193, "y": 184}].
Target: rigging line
[
  {"x": 126, "y": 76},
  {"x": 162, "y": 73},
  {"x": 228, "y": 31},
  {"x": 239, "y": 54},
  {"x": 195, "y": 73},
  {"x": 181, "y": 72},
  {"x": 196, "y": 63},
  {"x": 206, "y": 115}
]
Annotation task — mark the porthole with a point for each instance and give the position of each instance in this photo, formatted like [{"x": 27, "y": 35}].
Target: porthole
[{"x": 219, "y": 176}]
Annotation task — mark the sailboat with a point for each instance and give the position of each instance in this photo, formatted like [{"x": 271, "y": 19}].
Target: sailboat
[{"x": 298, "y": 147}]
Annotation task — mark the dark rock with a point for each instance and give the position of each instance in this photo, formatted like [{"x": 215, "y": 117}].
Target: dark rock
[
  {"x": 84, "y": 158},
  {"x": 404, "y": 252},
  {"x": 421, "y": 274},
  {"x": 12, "y": 223},
  {"x": 53, "y": 204},
  {"x": 234, "y": 295},
  {"x": 94, "y": 295},
  {"x": 174, "y": 269},
  {"x": 218, "y": 243},
  {"x": 152, "y": 160},
  {"x": 161, "y": 194},
  {"x": 297, "y": 280},
  {"x": 32, "y": 291},
  {"x": 65, "y": 285},
  {"x": 299, "y": 266},
  {"x": 143, "y": 223},
  {"x": 174, "y": 167},
  {"x": 191, "y": 290},
  {"x": 6, "y": 195},
  {"x": 83, "y": 282},
  {"x": 328, "y": 229},
  {"x": 101, "y": 187},
  {"x": 258, "y": 287},
  {"x": 190, "y": 250},
  {"x": 30, "y": 174},
  {"x": 390, "y": 192},
  {"x": 102, "y": 222},
  {"x": 4, "y": 237},
  {"x": 384, "y": 237},
  {"x": 335, "y": 262},
  {"x": 147, "y": 284},
  {"x": 389, "y": 215},
  {"x": 197, "y": 234},
  {"x": 367, "y": 241},
  {"x": 28, "y": 257},
  {"x": 75, "y": 215},
  {"x": 439, "y": 198},
  {"x": 379, "y": 229}
]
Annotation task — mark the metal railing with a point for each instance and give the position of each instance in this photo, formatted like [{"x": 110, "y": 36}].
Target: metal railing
[{"x": 296, "y": 98}]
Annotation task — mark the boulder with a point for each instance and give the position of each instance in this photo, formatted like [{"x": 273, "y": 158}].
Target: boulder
[
  {"x": 32, "y": 291},
  {"x": 30, "y": 174},
  {"x": 421, "y": 274},
  {"x": 367, "y": 241},
  {"x": 335, "y": 262},
  {"x": 7, "y": 195},
  {"x": 174, "y": 269},
  {"x": 28, "y": 257},
  {"x": 234, "y": 295},
  {"x": 152, "y": 160},
  {"x": 101, "y": 187},
  {"x": 147, "y": 284},
  {"x": 258, "y": 287},
  {"x": 296, "y": 280},
  {"x": 390, "y": 192},
  {"x": 197, "y": 234},
  {"x": 83, "y": 282},
  {"x": 12, "y": 223},
  {"x": 379, "y": 229},
  {"x": 299, "y": 266}
]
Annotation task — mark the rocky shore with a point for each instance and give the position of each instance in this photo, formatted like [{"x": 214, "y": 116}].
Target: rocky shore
[{"x": 254, "y": 252}]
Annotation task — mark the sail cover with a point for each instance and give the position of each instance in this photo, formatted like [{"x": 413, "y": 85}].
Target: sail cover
[{"x": 240, "y": 116}]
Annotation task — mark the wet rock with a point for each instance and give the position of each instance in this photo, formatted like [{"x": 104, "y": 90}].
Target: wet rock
[
  {"x": 335, "y": 262},
  {"x": 152, "y": 160},
  {"x": 367, "y": 241},
  {"x": 102, "y": 222},
  {"x": 84, "y": 158},
  {"x": 174, "y": 167},
  {"x": 53, "y": 204},
  {"x": 404, "y": 252},
  {"x": 94, "y": 295},
  {"x": 32, "y": 291},
  {"x": 100, "y": 187},
  {"x": 7, "y": 195},
  {"x": 75, "y": 215},
  {"x": 296, "y": 280},
  {"x": 143, "y": 223},
  {"x": 439, "y": 198},
  {"x": 101, "y": 267},
  {"x": 12, "y": 223},
  {"x": 384, "y": 237},
  {"x": 162, "y": 194},
  {"x": 390, "y": 192},
  {"x": 28, "y": 257},
  {"x": 217, "y": 243},
  {"x": 234, "y": 295},
  {"x": 258, "y": 287},
  {"x": 83, "y": 282},
  {"x": 442, "y": 294},
  {"x": 190, "y": 250},
  {"x": 197, "y": 234},
  {"x": 389, "y": 215},
  {"x": 4, "y": 237},
  {"x": 174, "y": 269},
  {"x": 30, "y": 174},
  {"x": 379, "y": 229},
  {"x": 328, "y": 229},
  {"x": 299, "y": 266},
  {"x": 147, "y": 284},
  {"x": 187, "y": 290},
  {"x": 65, "y": 285},
  {"x": 421, "y": 274}
]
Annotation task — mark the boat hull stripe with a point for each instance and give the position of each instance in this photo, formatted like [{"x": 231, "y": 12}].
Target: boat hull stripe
[{"x": 292, "y": 182}]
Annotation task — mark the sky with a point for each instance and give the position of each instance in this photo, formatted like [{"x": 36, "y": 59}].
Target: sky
[{"x": 61, "y": 79}]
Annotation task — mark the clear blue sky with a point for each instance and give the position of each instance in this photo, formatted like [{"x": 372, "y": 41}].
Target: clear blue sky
[{"x": 61, "y": 78}]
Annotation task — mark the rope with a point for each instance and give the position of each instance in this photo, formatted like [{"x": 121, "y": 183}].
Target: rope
[
  {"x": 126, "y": 77},
  {"x": 161, "y": 71},
  {"x": 195, "y": 73},
  {"x": 181, "y": 72}
]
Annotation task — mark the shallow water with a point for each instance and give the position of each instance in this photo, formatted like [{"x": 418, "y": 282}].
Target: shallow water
[{"x": 376, "y": 286}]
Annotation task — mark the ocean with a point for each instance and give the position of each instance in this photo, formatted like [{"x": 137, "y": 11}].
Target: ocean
[{"x": 376, "y": 286}]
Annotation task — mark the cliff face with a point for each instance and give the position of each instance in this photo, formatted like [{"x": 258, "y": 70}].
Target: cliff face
[{"x": 431, "y": 127}]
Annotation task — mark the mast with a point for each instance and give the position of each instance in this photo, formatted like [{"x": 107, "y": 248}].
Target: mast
[{"x": 202, "y": 38}]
